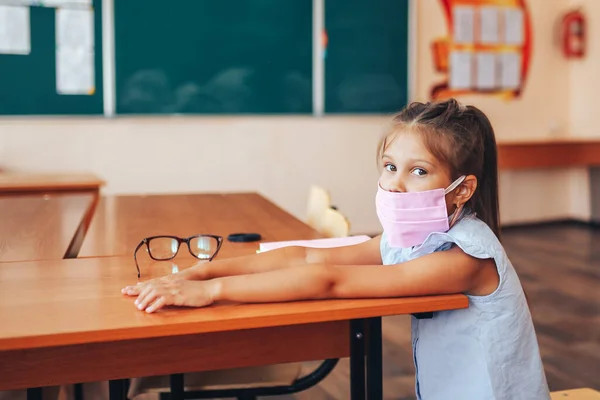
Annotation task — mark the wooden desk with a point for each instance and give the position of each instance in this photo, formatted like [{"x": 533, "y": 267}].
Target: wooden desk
[
  {"x": 65, "y": 321},
  {"x": 549, "y": 154},
  {"x": 12, "y": 183},
  {"x": 121, "y": 222},
  {"x": 43, "y": 227},
  {"x": 80, "y": 328}
]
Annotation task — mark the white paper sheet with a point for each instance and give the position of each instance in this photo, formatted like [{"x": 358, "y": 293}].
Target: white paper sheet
[
  {"x": 75, "y": 51},
  {"x": 75, "y": 28},
  {"x": 316, "y": 243},
  {"x": 15, "y": 36},
  {"x": 460, "y": 70},
  {"x": 486, "y": 70},
  {"x": 50, "y": 3},
  {"x": 75, "y": 71},
  {"x": 19, "y": 2},
  {"x": 513, "y": 26},
  {"x": 463, "y": 20},
  {"x": 510, "y": 70},
  {"x": 65, "y": 3},
  {"x": 488, "y": 25}
]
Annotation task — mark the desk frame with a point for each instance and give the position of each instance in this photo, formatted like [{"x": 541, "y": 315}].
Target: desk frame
[{"x": 365, "y": 344}]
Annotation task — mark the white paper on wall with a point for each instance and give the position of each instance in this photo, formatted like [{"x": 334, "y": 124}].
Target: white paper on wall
[
  {"x": 74, "y": 28},
  {"x": 514, "y": 21},
  {"x": 464, "y": 22},
  {"x": 75, "y": 71},
  {"x": 75, "y": 51},
  {"x": 488, "y": 25},
  {"x": 65, "y": 3},
  {"x": 461, "y": 70},
  {"x": 15, "y": 31},
  {"x": 486, "y": 77},
  {"x": 510, "y": 70}
]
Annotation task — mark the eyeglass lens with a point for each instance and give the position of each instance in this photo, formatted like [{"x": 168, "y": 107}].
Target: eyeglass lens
[
  {"x": 163, "y": 248},
  {"x": 203, "y": 247}
]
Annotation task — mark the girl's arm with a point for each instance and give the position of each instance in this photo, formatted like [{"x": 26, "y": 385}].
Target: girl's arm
[
  {"x": 450, "y": 271},
  {"x": 364, "y": 253}
]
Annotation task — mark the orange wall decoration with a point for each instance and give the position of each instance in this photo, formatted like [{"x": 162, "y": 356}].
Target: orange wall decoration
[{"x": 487, "y": 50}]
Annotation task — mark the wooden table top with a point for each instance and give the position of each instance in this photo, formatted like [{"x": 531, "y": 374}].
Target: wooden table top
[
  {"x": 121, "y": 222},
  {"x": 11, "y": 182},
  {"x": 555, "y": 153},
  {"x": 40, "y": 227},
  {"x": 79, "y": 301}
]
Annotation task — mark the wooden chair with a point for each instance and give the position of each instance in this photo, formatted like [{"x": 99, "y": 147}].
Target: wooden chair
[
  {"x": 318, "y": 202},
  {"x": 576, "y": 394},
  {"x": 335, "y": 224}
]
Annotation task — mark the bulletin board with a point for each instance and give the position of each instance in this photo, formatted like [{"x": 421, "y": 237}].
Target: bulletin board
[
  {"x": 50, "y": 57},
  {"x": 487, "y": 50}
]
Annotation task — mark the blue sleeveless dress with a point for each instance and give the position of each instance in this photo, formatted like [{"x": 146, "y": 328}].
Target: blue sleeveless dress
[{"x": 487, "y": 351}]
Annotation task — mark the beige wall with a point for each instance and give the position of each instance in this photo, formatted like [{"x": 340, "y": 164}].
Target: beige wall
[
  {"x": 584, "y": 76},
  {"x": 583, "y": 100},
  {"x": 280, "y": 157},
  {"x": 543, "y": 111}
]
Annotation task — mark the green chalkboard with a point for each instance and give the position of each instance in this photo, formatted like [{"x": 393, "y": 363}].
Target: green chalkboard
[
  {"x": 366, "y": 60},
  {"x": 28, "y": 82},
  {"x": 213, "y": 56}
]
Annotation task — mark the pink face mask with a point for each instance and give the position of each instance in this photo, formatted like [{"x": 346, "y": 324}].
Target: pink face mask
[{"x": 408, "y": 218}]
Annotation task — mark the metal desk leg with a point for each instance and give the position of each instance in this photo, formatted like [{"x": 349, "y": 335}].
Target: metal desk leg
[
  {"x": 34, "y": 394},
  {"x": 374, "y": 360},
  {"x": 78, "y": 387},
  {"x": 117, "y": 389},
  {"x": 357, "y": 359},
  {"x": 177, "y": 387},
  {"x": 423, "y": 315}
]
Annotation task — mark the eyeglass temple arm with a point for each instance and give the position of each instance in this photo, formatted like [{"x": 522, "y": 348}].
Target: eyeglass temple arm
[{"x": 135, "y": 257}]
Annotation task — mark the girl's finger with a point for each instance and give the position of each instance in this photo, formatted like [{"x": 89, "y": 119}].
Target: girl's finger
[
  {"x": 156, "y": 305},
  {"x": 131, "y": 290},
  {"x": 148, "y": 299},
  {"x": 143, "y": 294}
]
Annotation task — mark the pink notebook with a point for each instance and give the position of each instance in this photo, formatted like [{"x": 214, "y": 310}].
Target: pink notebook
[{"x": 316, "y": 243}]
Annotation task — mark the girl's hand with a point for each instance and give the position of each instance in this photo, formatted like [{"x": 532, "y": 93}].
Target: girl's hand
[
  {"x": 156, "y": 294},
  {"x": 137, "y": 289},
  {"x": 193, "y": 273}
]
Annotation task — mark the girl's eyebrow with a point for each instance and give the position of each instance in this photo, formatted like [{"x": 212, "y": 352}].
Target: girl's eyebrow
[
  {"x": 417, "y": 160},
  {"x": 411, "y": 161}
]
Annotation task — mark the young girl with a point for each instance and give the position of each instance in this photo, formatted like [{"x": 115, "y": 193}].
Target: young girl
[{"x": 437, "y": 200}]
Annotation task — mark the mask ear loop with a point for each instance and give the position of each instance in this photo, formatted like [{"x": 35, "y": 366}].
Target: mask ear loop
[
  {"x": 457, "y": 213},
  {"x": 459, "y": 207},
  {"x": 455, "y": 184}
]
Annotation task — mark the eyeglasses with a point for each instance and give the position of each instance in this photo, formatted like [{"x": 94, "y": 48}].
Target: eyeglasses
[{"x": 164, "y": 248}]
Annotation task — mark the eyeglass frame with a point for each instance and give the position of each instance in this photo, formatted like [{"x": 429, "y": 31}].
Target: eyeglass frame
[{"x": 180, "y": 240}]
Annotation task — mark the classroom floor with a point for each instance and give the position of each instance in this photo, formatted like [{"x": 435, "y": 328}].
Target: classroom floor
[{"x": 559, "y": 266}]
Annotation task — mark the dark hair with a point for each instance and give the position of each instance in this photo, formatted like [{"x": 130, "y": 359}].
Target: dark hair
[{"x": 463, "y": 139}]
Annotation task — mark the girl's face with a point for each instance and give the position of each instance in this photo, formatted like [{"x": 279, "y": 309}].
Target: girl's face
[{"x": 409, "y": 167}]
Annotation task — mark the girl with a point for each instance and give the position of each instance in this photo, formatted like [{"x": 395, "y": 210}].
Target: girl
[{"x": 437, "y": 200}]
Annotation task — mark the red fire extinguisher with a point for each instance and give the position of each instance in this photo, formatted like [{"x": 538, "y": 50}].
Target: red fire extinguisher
[{"x": 573, "y": 34}]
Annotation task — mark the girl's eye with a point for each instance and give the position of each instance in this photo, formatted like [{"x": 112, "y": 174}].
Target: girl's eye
[
  {"x": 390, "y": 167},
  {"x": 418, "y": 171}
]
